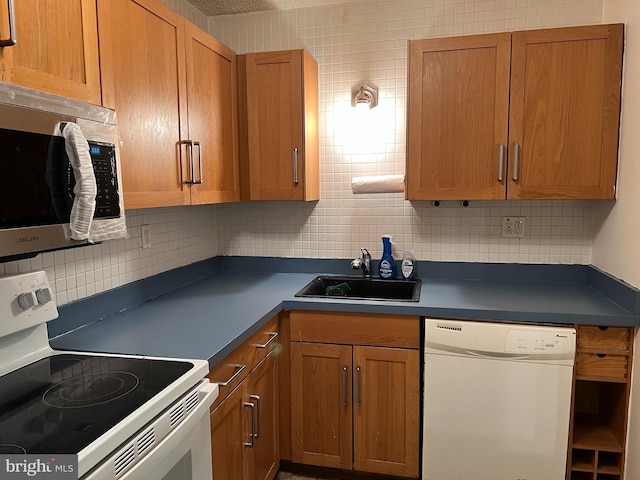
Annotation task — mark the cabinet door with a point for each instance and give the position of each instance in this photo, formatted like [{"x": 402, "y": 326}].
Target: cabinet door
[
  {"x": 386, "y": 410},
  {"x": 142, "y": 68},
  {"x": 458, "y": 101},
  {"x": 230, "y": 431},
  {"x": 275, "y": 123},
  {"x": 263, "y": 392},
  {"x": 321, "y": 429},
  {"x": 564, "y": 114},
  {"x": 212, "y": 99},
  {"x": 56, "y": 49}
]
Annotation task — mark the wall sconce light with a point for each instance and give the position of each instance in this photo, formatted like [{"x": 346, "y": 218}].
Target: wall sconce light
[{"x": 365, "y": 95}]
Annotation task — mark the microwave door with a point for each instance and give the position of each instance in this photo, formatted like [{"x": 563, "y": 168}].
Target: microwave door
[
  {"x": 30, "y": 193},
  {"x": 59, "y": 179}
]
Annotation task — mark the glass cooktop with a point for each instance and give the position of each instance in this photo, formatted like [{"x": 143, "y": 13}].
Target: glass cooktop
[{"x": 62, "y": 403}]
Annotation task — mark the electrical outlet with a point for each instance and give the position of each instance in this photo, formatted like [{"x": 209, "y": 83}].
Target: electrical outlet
[
  {"x": 513, "y": 227},
  {"x": 145, "y": 233}
]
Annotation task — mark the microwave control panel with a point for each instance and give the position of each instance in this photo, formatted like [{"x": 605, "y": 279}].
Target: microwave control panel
[{"x": 103, "y": 157}]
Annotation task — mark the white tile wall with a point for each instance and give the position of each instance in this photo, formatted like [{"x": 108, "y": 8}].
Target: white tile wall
[
  {"x": 367, "y": 41},
  {"x": 179, "y": 236}
]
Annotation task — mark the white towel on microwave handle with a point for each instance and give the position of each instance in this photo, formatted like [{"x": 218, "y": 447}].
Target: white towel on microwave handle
[{"x": 85, "y": 190}]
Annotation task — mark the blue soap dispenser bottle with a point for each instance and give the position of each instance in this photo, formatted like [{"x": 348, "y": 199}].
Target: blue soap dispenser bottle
[{"x": 387, "y": 267}]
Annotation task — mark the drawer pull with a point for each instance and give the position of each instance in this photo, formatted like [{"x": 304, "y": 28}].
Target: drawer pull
[
  {"x": 604, "y": 329},
  {"x": 273, "y": 336},
  {"x": 239, "y": 370},
  {"x": 601, "y": 355}
]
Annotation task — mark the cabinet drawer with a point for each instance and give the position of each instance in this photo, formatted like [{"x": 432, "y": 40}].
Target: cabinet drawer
[
  {"x": 602, "y": 366},
  {"x": 402, "y": 331},
  {"x": 603, "y": 338},
  {"x": 261, "y": 342},
  {"x": 229, "y": 373}
]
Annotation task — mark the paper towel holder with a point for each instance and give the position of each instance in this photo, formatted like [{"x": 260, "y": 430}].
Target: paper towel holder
[{"x": 365, "y": 95}]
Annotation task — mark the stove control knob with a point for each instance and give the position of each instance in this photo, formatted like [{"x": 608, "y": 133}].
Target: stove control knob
[
  {"x": 44, "y": 295},
  {"x": 27, "y": 300}
]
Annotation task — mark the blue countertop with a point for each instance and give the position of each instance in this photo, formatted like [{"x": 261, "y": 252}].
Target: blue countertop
[{"x": 208, "y": 310}]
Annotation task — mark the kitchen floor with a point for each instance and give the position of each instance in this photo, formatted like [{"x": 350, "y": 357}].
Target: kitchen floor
[{"x": 293, "y": 476}]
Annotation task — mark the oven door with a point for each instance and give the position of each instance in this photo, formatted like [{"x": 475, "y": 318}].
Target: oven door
[{"x": 184, "y": 454}]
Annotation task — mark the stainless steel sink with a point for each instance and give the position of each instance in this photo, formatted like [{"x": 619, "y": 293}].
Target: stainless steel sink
[{"x": 353, "y": 287}]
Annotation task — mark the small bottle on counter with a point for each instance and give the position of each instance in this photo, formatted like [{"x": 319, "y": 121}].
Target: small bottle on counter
[
  {"x": 408, "y": 266},
  {"x": 387, "y": 267}
]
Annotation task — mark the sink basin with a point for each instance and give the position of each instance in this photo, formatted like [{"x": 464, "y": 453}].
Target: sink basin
[{"x": 352, "y": 287}]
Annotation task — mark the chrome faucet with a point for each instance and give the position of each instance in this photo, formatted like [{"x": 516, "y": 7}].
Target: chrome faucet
[{"x": 364, "y": 262}]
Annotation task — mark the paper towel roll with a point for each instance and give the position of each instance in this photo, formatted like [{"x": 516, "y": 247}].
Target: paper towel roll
[{"x": 378, "y": 184}]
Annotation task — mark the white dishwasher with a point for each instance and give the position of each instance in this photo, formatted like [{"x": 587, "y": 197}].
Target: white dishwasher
[{"x": 496, "y": 400}]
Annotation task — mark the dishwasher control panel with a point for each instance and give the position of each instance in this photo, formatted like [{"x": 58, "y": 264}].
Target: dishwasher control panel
[{"x": 539, "y": 341}]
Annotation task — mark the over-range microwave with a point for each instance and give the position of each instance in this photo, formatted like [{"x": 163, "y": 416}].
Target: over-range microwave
[{"x": 59, "y": 183}]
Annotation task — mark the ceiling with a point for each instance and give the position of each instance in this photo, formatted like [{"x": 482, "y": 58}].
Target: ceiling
[{"x": 226, "y": 7}]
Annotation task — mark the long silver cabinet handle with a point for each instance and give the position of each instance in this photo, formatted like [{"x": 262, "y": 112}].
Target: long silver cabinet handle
[
  {"x": 344, "y": 385},
  {"x": 259, "y": 421},
  {"x": 357, "y": 385},
  {"x": 11, "y": 41},
  {"x": 516, "y": 160},
  {"x": 199, "y": 145},
  {"x": 239, "y": 370},
  {"x": 252, "y": 443},
  {"x": 501, "y": 162},
  {"x": 295, "y": 166},
  {"x": 190, "y": 144},
  {"x": 272, "y": 337}
]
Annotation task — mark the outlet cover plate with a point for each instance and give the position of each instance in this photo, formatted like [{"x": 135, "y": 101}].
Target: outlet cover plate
[
  {"x": 145, "y": 233},
  {"x": 513, "y": 227}
]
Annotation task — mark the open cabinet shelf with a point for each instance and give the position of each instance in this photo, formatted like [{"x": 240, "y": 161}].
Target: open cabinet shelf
[{"x": 600, "y": 404}]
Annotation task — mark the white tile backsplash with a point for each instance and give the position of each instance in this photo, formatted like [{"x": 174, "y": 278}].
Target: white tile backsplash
[
  {"x": 367, "y": 42},
  {"x": 354, "y": 43},
  {"x": 179, "y": 236}
]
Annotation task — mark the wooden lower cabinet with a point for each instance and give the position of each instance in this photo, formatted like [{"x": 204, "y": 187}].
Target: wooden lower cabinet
[
  {"x": 264, "y": 457},
  {"x": 386, "y": 413},
  {"x": 244, "y": 432},
  {"x": 229, "y": 432},
  {"x": 355, "y": 407},
  {"x": 321, "y": 404},
  {"x": 244, "y": 418}
]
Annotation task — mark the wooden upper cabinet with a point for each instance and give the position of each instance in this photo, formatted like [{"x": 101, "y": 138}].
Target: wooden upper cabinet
[
  {"x": 279, "y": 130},
  {"x": 174, "y": 90},
  {"x": 533, "y": 114},
  {"x": 457, "y": 117},
  {"x": 565, "y": 112},
  {"x": 56, "y": 47},
  {"x": 143, "y": 79},
  {"x": 212, "y": 109}
]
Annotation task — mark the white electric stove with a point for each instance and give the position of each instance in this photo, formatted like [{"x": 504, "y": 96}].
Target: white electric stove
[{"x": 124, "y": 416}]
